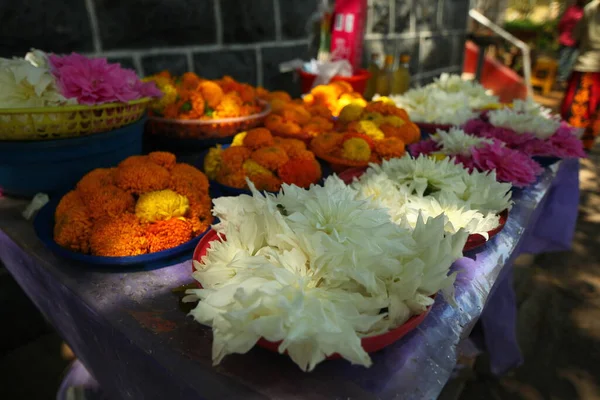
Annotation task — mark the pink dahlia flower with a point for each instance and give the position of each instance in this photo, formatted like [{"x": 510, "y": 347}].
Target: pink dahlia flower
[
  {"x": 423, "y": 147},
  {"x": 511, "y": 165},
  {"x": 484, "y": 129},
  {"x": 94, "y": 81}
]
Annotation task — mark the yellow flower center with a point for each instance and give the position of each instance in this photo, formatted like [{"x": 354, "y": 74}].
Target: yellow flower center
[
  {"x": 371, "y": 129},
  {"x": 161, "y": 205}
]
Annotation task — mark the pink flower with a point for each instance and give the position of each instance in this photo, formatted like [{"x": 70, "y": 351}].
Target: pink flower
[
  {"x": 423, "y": 147},
  {"x": 484, "y": 129},
  {"x": 511, "y": 165},
  {"x": 467, "y": 162},
  {"x": 94, "y": 81},
  {"x": 565, "y": 144}
]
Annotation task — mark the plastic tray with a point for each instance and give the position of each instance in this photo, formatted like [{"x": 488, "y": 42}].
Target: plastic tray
[{"x": 44, "y": 229}]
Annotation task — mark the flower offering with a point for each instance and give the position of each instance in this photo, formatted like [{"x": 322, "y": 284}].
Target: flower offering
[
  {"x": 373, "y": 133},
  {"x": 531, "y": 128},
  {"x": 49, "y": 80},
  {"x": 297, "y": 269},
  {"x": 265, "y": 160},
  {"x": 190, "y": 97},
  {"x": 449, "y": 100},
  {"x": 146, "y": 204},
  {"x": 482, "y": 154},
  {"x": 411, "y": 188}
]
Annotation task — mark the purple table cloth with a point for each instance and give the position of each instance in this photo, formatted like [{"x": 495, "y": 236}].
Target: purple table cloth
[{"x": 127, "y": 328}]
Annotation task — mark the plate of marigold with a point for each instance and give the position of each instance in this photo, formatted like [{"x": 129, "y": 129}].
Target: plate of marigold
[
  {"x": 266, "y": 160},
  {"x": 146, "y": 209},
  {"x": 197, "y": 108},
  {"x": 295, "y": 119},
  {"x": 365, "y": 135}
]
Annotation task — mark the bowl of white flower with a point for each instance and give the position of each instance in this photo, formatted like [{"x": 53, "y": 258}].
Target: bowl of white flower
[{"x": 296, "y": 272}]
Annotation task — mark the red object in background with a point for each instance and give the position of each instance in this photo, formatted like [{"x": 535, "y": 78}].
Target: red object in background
[
  {"x": 473, "y": 241},
  {"x": 348, "y": 30},
  {"x": 369, "y": 344},
  {"x": 358, "y": 81},
  {"x": 503, "y": 81}
]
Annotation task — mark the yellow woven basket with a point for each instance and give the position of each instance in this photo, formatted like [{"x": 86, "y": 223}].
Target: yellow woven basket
[{"x": 69, "y": 121}]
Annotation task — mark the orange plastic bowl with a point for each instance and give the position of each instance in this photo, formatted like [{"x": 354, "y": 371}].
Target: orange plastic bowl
[
  {"x": 370, "y": 344},
  {"x": 473, "y": 241},
  {"x": 358, "y": 81}
]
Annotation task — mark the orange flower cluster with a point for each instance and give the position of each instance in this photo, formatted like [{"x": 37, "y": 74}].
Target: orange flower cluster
[
  {"x": 295, "y": 119},
  {"x": 367, "y": 134},
  {"x": 265, "y": 160},
  {"x": 146, "y": 204},
  {"x": 191, "y": 97},
  {"x": 334, "y": 96}
]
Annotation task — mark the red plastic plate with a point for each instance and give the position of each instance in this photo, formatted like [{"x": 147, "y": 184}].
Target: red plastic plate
[{"x": 370, "y": 344}]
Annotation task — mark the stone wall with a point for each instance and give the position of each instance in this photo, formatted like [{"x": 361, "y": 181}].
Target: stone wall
[{"x": 243, "y": 38}]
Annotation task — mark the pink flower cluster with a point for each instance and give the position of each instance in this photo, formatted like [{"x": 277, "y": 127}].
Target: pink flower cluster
[
  {"x": 95, "y": 81},
  {"x": 563, "y": 144}
]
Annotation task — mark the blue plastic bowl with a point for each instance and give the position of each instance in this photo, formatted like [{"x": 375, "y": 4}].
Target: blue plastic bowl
[{"x": 55, "y": 166}]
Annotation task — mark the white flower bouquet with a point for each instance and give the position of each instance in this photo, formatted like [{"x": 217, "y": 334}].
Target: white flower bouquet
[{"x": 316, "y": 271}]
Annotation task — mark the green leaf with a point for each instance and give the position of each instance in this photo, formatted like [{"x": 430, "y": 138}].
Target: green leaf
[{"x": 187, "y": 106}]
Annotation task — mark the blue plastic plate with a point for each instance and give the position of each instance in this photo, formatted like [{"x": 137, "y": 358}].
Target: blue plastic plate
[{"x": 44, "y": 229}]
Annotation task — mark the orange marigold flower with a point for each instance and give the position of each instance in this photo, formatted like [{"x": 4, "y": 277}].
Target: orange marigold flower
[
  {"x": 279, "y": 126},
  {"x": 262, "y": 93},
  {"x": 171, "y": 111},
  {"x": 270, "y": 157},
  {"x": 107, "y": 200},
  {"x": 73, "y": 228},
  {"x": 95, "y": 179},
  {"x": 163, "y": 235},
  {"x": 190, "y": 81},
  {"x": 277, "y": 106},
  {"x": 165, "y": 74},
  {"x": 291, "y": 146},
  {"x": 362, "y": 136},
  {"x": 199, "y": 215},
  {"x": 257, "y": 138},
  {"x": 232, "y": 177},
  {"x": 320, "y": 111},
  {"x": 247, "y": 93},
  {"x": 212, "y": 93},
  {"x": 230, "y": 106},
  {"x": 304, "y": 155},
  {"x": 326, "y": 143},
  {"x": 280, "y": 95},
  {"x": 235, "y": 156},
  {"x": 295, "y": 113},
  {"x": 68, "y": 201},
  {"x": 386, "y": 109},
  {"x": 317, "y": 125},
  {"x": 188, "y": 181},
  {"x": 163, "y": 158},
  {"x": 118, "y": 237},
  {"x": 133, "y": 160},
  {"x": 145, "y": 177},
  {"x": 343, "y": 86},
  {"x": 198, "y": 104},
  {"x": 270, "y": 183},
  {"x": 408, "y": 133},
  {"x": 300, "y": 172},
  {"x": 390, "y": 148}
]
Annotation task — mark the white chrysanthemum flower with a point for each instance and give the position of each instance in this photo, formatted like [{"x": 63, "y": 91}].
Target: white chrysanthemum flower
[
  {"x": 484, "y": 193},
  {"x": 458, "y": 142},
  {"x": 37, "y": 58},
  {"x": 27, "y": 86},
  {"x": 448, "y": 100},
  {"x": 317, "y": 270},
  {"x": 526, "y": 117},
  {"x": 422, "y": 174},
  {"x": 456, "y": 213}
]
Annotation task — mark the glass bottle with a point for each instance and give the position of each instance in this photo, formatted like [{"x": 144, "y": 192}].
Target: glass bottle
[
  {"x": 384, "y": 79},
  {"x": 401, "y": 78},
  {"x": 374, "y": 70}
]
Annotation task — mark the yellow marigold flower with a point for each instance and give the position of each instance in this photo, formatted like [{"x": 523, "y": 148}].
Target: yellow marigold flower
[
  {"x": 212, "y": 162},
  {"x": 251, "y": 167},
  {"x": 356, "y": 149},
  {"x": 371, "y": 129},
  {"x": 161, "y": 206},
  {"x": 238, "y": 140},
  {"x": 350, "y": 112},
  {"x": 393, "y": 120},
  {"x": 438, "y": 156},
  {"x": 373, "y": 116}
]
